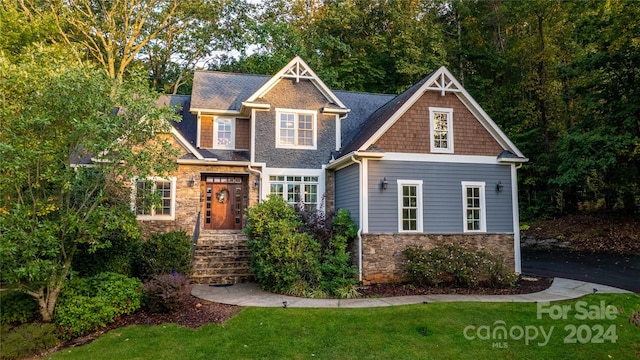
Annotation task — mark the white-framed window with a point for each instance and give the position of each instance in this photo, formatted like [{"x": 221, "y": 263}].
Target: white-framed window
[
  {"x": 224, "y": 133},
  {"x": 410, "y": 206},
  {"x": 441, "y": 120},
  {"x": 154, "y": 198},
  {"x": 296, "y": 190},
  {"x": 296, "y": 129},
  {"x": 473, "y": 206}
]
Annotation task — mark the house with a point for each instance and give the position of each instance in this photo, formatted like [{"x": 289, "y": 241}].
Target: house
[{"x": 425, "y": 167}]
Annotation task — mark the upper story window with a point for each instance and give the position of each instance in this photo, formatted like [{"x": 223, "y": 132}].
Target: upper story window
[
  {"x": 223, "y": 133},
  {"x": 474, "y": 207},
  {"x": 410, "y": 206},
  {"x": 441, "y": 120},
  {"x": 154, "y": 199},
  {"x": 296, "y": 129}
]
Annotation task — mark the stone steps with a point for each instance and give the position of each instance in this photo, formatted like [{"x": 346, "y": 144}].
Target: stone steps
[{"x": 221, "y": 257}]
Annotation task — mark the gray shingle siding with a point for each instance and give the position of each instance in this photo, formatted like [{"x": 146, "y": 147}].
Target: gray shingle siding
[
  {"x": 442, "y": 195},
  {"x": 346, "y": 186}
]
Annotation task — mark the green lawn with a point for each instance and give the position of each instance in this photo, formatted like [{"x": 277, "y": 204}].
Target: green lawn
[{"x": 424, "y": 331}]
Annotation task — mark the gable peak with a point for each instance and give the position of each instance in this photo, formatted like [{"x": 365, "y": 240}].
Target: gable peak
[
  {"x": 443, "y": 81},
  {"x": 297, "y": 69}
]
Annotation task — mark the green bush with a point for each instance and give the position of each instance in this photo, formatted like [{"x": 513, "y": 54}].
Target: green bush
[
  {"x": 17, "y": 307},
  {"x": 28, "y": 340},
  {"x": 85, "y": 304},
  {"x": 166, "y": 293},
  {"x": 164, "y": 253},
  {"x": 300, "y": 254},
  {"x": 455, "y": 265}
]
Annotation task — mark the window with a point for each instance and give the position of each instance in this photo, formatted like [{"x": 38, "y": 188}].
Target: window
[
  {"x": 154, "y": 199},
  {"x": 410, "y": 206},
  {"x": 296, "y": 190},
  {"x": 296, "y": 129},
  {"x": 223, "y": 133},
  {"x": 473, "y": 204},
  {"x": 441, "y": 129}
]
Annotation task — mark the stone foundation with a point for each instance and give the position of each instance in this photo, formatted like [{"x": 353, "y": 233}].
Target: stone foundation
[{"x": 383, "y": 261}]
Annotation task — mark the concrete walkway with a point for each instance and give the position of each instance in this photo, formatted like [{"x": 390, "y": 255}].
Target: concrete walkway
[{"x": 250, "y": 294}]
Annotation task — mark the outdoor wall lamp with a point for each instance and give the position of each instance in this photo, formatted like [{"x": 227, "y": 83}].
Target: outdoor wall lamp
[
  {"x": 499, "y": 186},
  {"x": 384, "y": 184},
  {"x": 256, "y": 183},
  {"x": 191, "y": 182}
]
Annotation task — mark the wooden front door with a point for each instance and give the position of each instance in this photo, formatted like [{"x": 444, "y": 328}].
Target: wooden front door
[{"x": 223, "y": 202}]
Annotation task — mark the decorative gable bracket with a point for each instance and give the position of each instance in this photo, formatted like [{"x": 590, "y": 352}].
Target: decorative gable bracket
[
  {"x": 297, "y": 71},
  {"x": 443, "y": 83}
]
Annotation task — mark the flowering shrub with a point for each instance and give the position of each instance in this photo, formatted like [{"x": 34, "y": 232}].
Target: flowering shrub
[{"x": 456, "y": 265}]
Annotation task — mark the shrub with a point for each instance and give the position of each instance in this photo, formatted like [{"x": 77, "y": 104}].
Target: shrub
[
  {"x": 302, "y": 254},
  {"x": 17, "y": 307},
  {"x": 455, "y": 265},
  {"x": 28, "y": 340},
  {"x": 165, "y": 253},
  {"x": 166, "y": 293},
  {"x": 85, "y": 304}
]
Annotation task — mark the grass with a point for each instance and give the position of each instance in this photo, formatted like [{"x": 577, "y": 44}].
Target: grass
[{"x": 425, "y": 331}]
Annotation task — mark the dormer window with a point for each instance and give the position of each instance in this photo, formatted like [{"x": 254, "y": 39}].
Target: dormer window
[
  {"x": 441, "y": 120},
  {"x": 296, "y": 129},
  {"x": 223, "y": 133}
]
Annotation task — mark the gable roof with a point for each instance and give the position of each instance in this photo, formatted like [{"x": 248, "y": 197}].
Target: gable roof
[
  {"x": 213, "y": 90},
  {"x": 441, "y": 80},
  {"x": 362, "y": 105}
]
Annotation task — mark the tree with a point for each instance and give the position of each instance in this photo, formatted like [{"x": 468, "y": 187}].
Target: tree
[{"x": 55, "y": 113}]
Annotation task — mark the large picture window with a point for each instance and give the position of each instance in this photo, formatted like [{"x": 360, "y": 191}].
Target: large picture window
[
  {"x": 474, "y": 206},
  {"x": 441, "y": 120},
  {"x": 296, "y": 190},
  {"x": 154, "y": 198},
  {"x": 410, "y": 206},
  {"x": 296, "y": 129}
]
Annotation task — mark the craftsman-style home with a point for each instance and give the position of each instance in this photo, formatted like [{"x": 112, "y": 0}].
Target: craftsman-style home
[{"x": 424, "y": 167}]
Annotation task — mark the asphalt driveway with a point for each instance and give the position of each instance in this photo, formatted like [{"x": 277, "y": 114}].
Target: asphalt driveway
[{"x": 614, "y": 270}]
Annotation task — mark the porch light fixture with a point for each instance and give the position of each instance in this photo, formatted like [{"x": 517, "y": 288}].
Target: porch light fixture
[
  {"x": 384, "y": 184},
  {"x": 191, "y": 182},
  {"x": 256, "y": 183},
  {"x": 499, "y": 186}
]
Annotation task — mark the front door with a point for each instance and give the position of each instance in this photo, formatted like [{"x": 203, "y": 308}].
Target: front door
[{"x": 223, "y": 202}]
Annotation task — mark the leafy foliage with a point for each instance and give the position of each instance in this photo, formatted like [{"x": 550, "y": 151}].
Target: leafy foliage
[
  {"x": 164, "y": 253},
  {"x": 86, "y": 304},
  {"x": 28, "y": 340},
  {"x": 303, "y": 255},
  {"x": 17, "y": 307},
  {"x": 451, "y": 264},
  {"x": 166, "y": 293}
]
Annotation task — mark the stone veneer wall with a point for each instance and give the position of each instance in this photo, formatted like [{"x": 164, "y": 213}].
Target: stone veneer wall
[
  {"x": 383, "y": 261},
  {"x": 188, "y": 197}
]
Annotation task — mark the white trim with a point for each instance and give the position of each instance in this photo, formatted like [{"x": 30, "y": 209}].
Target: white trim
[
  {"x": 516, "y": 219},
  {"x": 449, "y": 112},
  {"x": 306, "y": 73},
  {"x": 296, "y": 112},
  {"x": 420, "y": 211},
  {"x": 483, "y": 206},
  {"x": 220, "y": 112},
  {"x": 339, "y": 131},
  {"x": 232, "y": 145},
  {"x": 442, "y": 158},
  {"x": 199, "y": 131},
  {"x": 172, "y": 216},
  {"x": 252, "y": 155},
  {"x": 182, "y": 141}
]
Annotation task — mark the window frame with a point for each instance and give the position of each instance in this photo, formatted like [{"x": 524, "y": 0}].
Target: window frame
[
  {"x": 297, "y": 113},
  {"x": 302, "y": 184},
  {"x": 419, "y": 205},
  {"x": 153, "y": 215},
  {"x": 483, "y": 206},
  {"x": 232, "y": 144},
  {"x": 449, "y": 112}
]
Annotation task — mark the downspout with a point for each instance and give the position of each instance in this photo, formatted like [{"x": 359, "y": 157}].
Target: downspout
[
  {"x": 360, "y": 219},
  {"x": 516, "y": 219},
  {"x": 259, "y": 173}
]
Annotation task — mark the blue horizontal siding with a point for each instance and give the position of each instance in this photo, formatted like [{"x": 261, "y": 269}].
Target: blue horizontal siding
[
  {"x": 347, "y": 193},
  {"x": 442, "y": 195}
]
